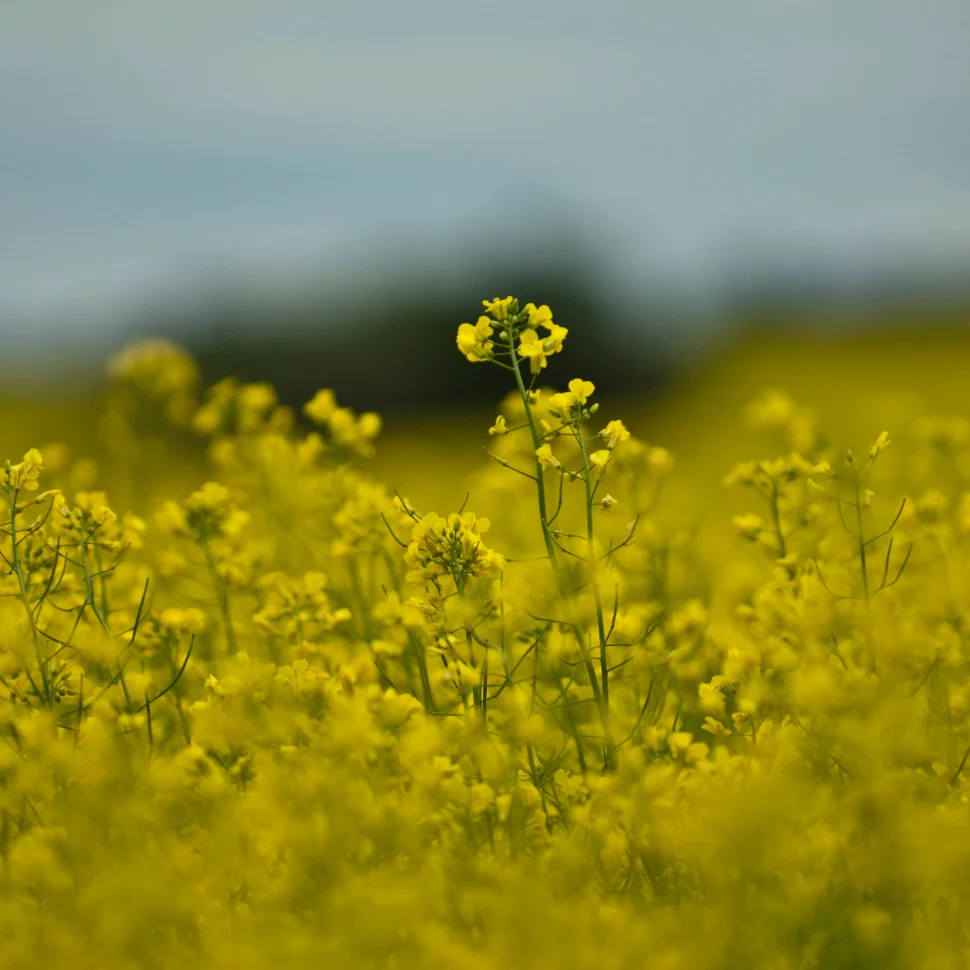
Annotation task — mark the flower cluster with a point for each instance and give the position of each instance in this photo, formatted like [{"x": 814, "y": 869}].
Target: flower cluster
[
  {"x": 288, "y": 716},
  {"x": 516, "y": 332},
  {"x": 451, "y": 546}
]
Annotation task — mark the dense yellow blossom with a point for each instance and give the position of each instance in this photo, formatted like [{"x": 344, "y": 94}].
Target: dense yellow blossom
[{"x": 276, "y": 716}]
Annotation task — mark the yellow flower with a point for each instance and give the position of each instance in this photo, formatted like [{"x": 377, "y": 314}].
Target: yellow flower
[
  {"x": 554, "y": 341},
  {"x": 560, "y": 402},
  {"x": 171, "y": 518},
  {"x": 608, "y": 503},
  {"x": 321, "y": 407},
  {"x": 881, "y": 443},
  {"x": 538, "y": 315},
  {"x": 25, "y": 474},
  {"x": 581, "y": 390},
  {"x": 499, "y": 308},
  {"x": 660, "y": 460},
  {"x": 500, "y": 427},
  {"x": 532, "y": 347},
  {"x": 537, "y": 348},
  {"x": 600, "y": 459},
  {"x": 473, "y": 340},
  {"x": 546, "y": 457},
  {"x": 771, "y": 409},
  {"x": 715, "y": 727},
  {"x": 615, "y": 433},
  {"x": 741, "y": 474},
  {"x": 750, "y": 526},
  {"x": 439, "y": 547}
]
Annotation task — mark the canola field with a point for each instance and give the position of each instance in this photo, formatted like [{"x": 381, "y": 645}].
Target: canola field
[{"x": 535, "y": 694}]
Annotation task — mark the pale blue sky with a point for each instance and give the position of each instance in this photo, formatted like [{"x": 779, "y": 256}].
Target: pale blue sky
[{"x": 144, "y": 145}]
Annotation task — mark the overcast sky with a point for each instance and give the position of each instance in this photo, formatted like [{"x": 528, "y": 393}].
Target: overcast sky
[{"x": 144, "y": 144}]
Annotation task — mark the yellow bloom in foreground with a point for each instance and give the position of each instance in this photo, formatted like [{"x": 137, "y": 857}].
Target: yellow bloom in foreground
[
  {"x": 547, "y": 458},
  {"x": 532, "y": 347},
  {"x": 581, "y": 390},
  {"x": 578, "y": 394},
  {"x": 320, "y": 409},
  {"x": 615, "y": 433},
  {"x": 600, "y": 459},
  {"x": 473, "y": 340},
  {"x": 26, "y": 473},
  {"x": 538, "y": 315},
  {"x": 555, "y": 339},
  {"x": 537, "y": 348}
]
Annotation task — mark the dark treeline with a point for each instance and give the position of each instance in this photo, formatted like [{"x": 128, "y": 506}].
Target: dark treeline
[
  {"x": 395, "y": 351},
  {"x": 384, "y": 338}
]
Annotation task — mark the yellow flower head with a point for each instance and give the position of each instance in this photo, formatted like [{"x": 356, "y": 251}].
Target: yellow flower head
[
  {"x": 532, "y": 347},
  {"x": 321, "y": 407},
  {"x": 554, "y": 341},
  {"x": 614, "y": 433},
  {"x": 500, "y": 427},
  {"x": 25, "y": 474},
  {"x": 500, "y": 309},
  {"x": 581, "y": 390},
  {"x": 473, "y": 340},
  {"x": 546, "y": 457},
  {"x": 771, "y": 409},
  {"x": 538, "y": 316},
  {"x": 749, "y": 525},
  {"x": 660, "y": 460},
  {"x": 537, "y": 348},
  {"x": 452, "y": 546},
  {"x": 881, "y": 443}
]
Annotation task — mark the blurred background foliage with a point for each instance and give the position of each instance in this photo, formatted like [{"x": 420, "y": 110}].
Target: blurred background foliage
[{"x": 316, "y": 195}]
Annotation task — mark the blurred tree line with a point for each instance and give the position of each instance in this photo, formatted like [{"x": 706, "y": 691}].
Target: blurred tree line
[{"x": 394, "y": 349}]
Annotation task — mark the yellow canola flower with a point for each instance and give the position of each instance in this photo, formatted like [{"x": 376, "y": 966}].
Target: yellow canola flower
[
  {"x": 300, "y": 737},
  {"x": 581, "y": 390},
  {"x": 579, "y": 393},
  {"x": 538, "y": 349},
  {"x": 538, "y": 316},
  {"x": 451, "y": 546},
  {"x": 473, "y": 340},
  {"x": 25, "y": 474},
  {"x": 500, "y": 308},
  {"x": 615, "y": 433},
  {"x": 881, "y": 443},
  {"x": 771, "y": 409},
  {"x": 660, "y": 460},
  {"x": 749, "y": 525},
  {"x": 500, "y": 427},
  {"x": 532, "y": 347},
  {"x": 321, "y": 407},
  {"x": 546, "y": 457}
]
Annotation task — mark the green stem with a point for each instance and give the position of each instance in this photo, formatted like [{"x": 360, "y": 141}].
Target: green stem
[
  {"x": 776, "y": 519},
  {"x": 223, "y": 595},
  {"x": 862, "y": 541},
  {"x": 42, "y": 662},
  {"x": 600, "y": 624},
  {"x": 536, "y": 444}
]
